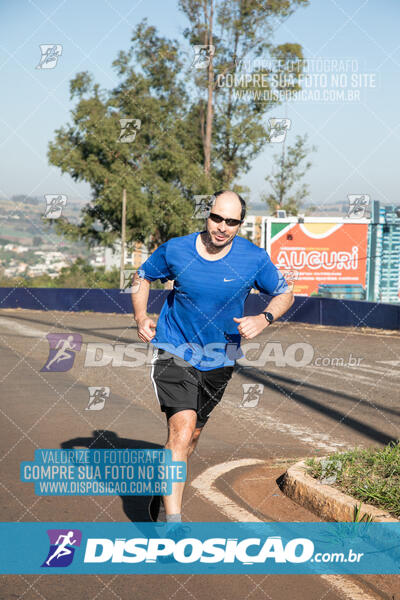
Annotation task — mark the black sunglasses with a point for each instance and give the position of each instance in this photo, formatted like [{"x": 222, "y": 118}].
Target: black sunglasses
[{"x": 230, "y": 222}]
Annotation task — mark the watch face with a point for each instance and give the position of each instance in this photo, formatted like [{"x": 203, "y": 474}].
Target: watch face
[{"x": 269, "y": 317}]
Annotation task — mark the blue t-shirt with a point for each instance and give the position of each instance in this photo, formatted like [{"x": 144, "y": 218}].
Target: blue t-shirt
[{"x": 196, "y": 321}]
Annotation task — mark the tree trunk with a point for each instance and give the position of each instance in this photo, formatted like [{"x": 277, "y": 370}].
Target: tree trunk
[
  {"x": 209, "y": 117},
  {"x": 123, "y": 240}
]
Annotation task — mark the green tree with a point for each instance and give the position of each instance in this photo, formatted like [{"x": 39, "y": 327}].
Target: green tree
[
  {"x": 230, "y": 116},
  {"x": 193, "y": 134},
  {"x": 159, "y": 169},
  {"x": 290, "y": 166}
]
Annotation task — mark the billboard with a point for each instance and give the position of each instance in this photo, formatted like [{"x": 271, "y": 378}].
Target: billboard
[{"x": 319, "y": 251}]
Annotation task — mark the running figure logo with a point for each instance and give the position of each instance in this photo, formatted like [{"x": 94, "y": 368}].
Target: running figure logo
[
  {"x": 358, "y": 204},
  {"x": 278, "y": 130},
  {"x": 97, "y": 397},
  {"x": 62, "y": 351},
  {"x": 54, "y": 205},
  {"x": 202, "y": 56},
  {"x": 62, "y": 547},
  {"x": 290, "y": 275},
  {"x": 251, "y": 394},
  {"x": 130, "y": 284},
  {"x": 203, "y": 206},
  {"x": 50, "y": 54},
  {"x": 129, "y": 129}
]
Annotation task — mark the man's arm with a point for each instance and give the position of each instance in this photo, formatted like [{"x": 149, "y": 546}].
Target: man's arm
[
  {"x": 279, "y": 305},
  {"x": 250, "y": 327},
  {"x": 145, "y": 324}
]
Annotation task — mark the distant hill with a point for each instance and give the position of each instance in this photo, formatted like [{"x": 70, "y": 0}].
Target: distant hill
[
  {"x": 331, "y": 209},
  {"x": 21, "y": 218},
  {"x": 338, "y": 209}
]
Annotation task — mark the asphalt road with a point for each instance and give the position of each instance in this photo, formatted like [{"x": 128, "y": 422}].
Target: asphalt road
[{"x": 314, "y": 389}]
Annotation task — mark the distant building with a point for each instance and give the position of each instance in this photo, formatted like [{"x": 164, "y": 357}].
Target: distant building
[
  {"x": 15, "y": 270},
  {"x": 16, "y": 248},
  {"x": 133, "y": 258},
  {"x": 36, "y": 270},
  {"x": 51, "y": 257},
  {"x": 253, "y": 228},
  {"x": 57, "y": 266},
  {"x": 384, "y": 263},
  {"x": 99, "y": 259}
]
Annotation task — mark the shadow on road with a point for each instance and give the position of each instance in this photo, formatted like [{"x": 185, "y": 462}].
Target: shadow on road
[
  {"x": 95, "y": 332},
  {"x": 135, "y": 507},
  {"x": 283, "y": 385}
]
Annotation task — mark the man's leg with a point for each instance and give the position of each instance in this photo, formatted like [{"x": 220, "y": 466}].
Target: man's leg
[
  {"x": 181, "y": 430},
  {"x": 195, "y": 439}
]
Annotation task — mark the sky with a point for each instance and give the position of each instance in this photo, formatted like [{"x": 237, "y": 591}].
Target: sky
[{"x": 357, "y": 141}]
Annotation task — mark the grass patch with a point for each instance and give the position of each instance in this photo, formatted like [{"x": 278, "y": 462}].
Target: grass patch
[{"x": 371, "y": 475}]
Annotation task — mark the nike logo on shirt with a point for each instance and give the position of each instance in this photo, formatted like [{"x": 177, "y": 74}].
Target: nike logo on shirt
[{"x": 228, "y": 279}]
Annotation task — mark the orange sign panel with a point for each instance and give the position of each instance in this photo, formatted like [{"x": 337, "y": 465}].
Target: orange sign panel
[{"x": 327, "y": 253}]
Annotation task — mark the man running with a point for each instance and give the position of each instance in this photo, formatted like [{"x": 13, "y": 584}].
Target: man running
[
  {"x": 198, "y": 332},
  {"x": 62, "y": 549},
  {"x": 63, "y": 345}
]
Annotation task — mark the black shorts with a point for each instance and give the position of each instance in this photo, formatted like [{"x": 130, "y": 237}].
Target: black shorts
[{"x": 180, "y": 386}]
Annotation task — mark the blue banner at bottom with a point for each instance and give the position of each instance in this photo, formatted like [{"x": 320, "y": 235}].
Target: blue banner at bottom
[{"x": 207, "y": 548}]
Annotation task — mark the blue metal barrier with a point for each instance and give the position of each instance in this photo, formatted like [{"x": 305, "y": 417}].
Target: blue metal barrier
[{"x": 318, "y": 311}]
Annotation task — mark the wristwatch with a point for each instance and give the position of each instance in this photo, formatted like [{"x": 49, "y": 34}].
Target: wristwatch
[{"x": 269, "y": 317}]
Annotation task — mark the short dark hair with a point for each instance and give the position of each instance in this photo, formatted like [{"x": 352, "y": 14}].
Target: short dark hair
[{"x": 242, "y": 202}]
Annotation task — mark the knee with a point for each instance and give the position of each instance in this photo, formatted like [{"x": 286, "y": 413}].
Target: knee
[{"x": 180, "y": 438}]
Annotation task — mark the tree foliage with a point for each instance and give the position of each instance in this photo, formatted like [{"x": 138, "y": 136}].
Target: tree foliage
[
  {"x": 241, "y": 32},
  {"x": 195, "y": 134},
  {"x": 290, "y": 166}
]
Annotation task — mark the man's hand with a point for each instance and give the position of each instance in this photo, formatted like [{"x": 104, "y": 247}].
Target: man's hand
[
  {"x": 249, "y": 327},
  {"x": 145, "y": 327}
]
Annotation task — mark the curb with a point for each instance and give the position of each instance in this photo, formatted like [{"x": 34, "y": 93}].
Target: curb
[{"x": 324, "y": 500}]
